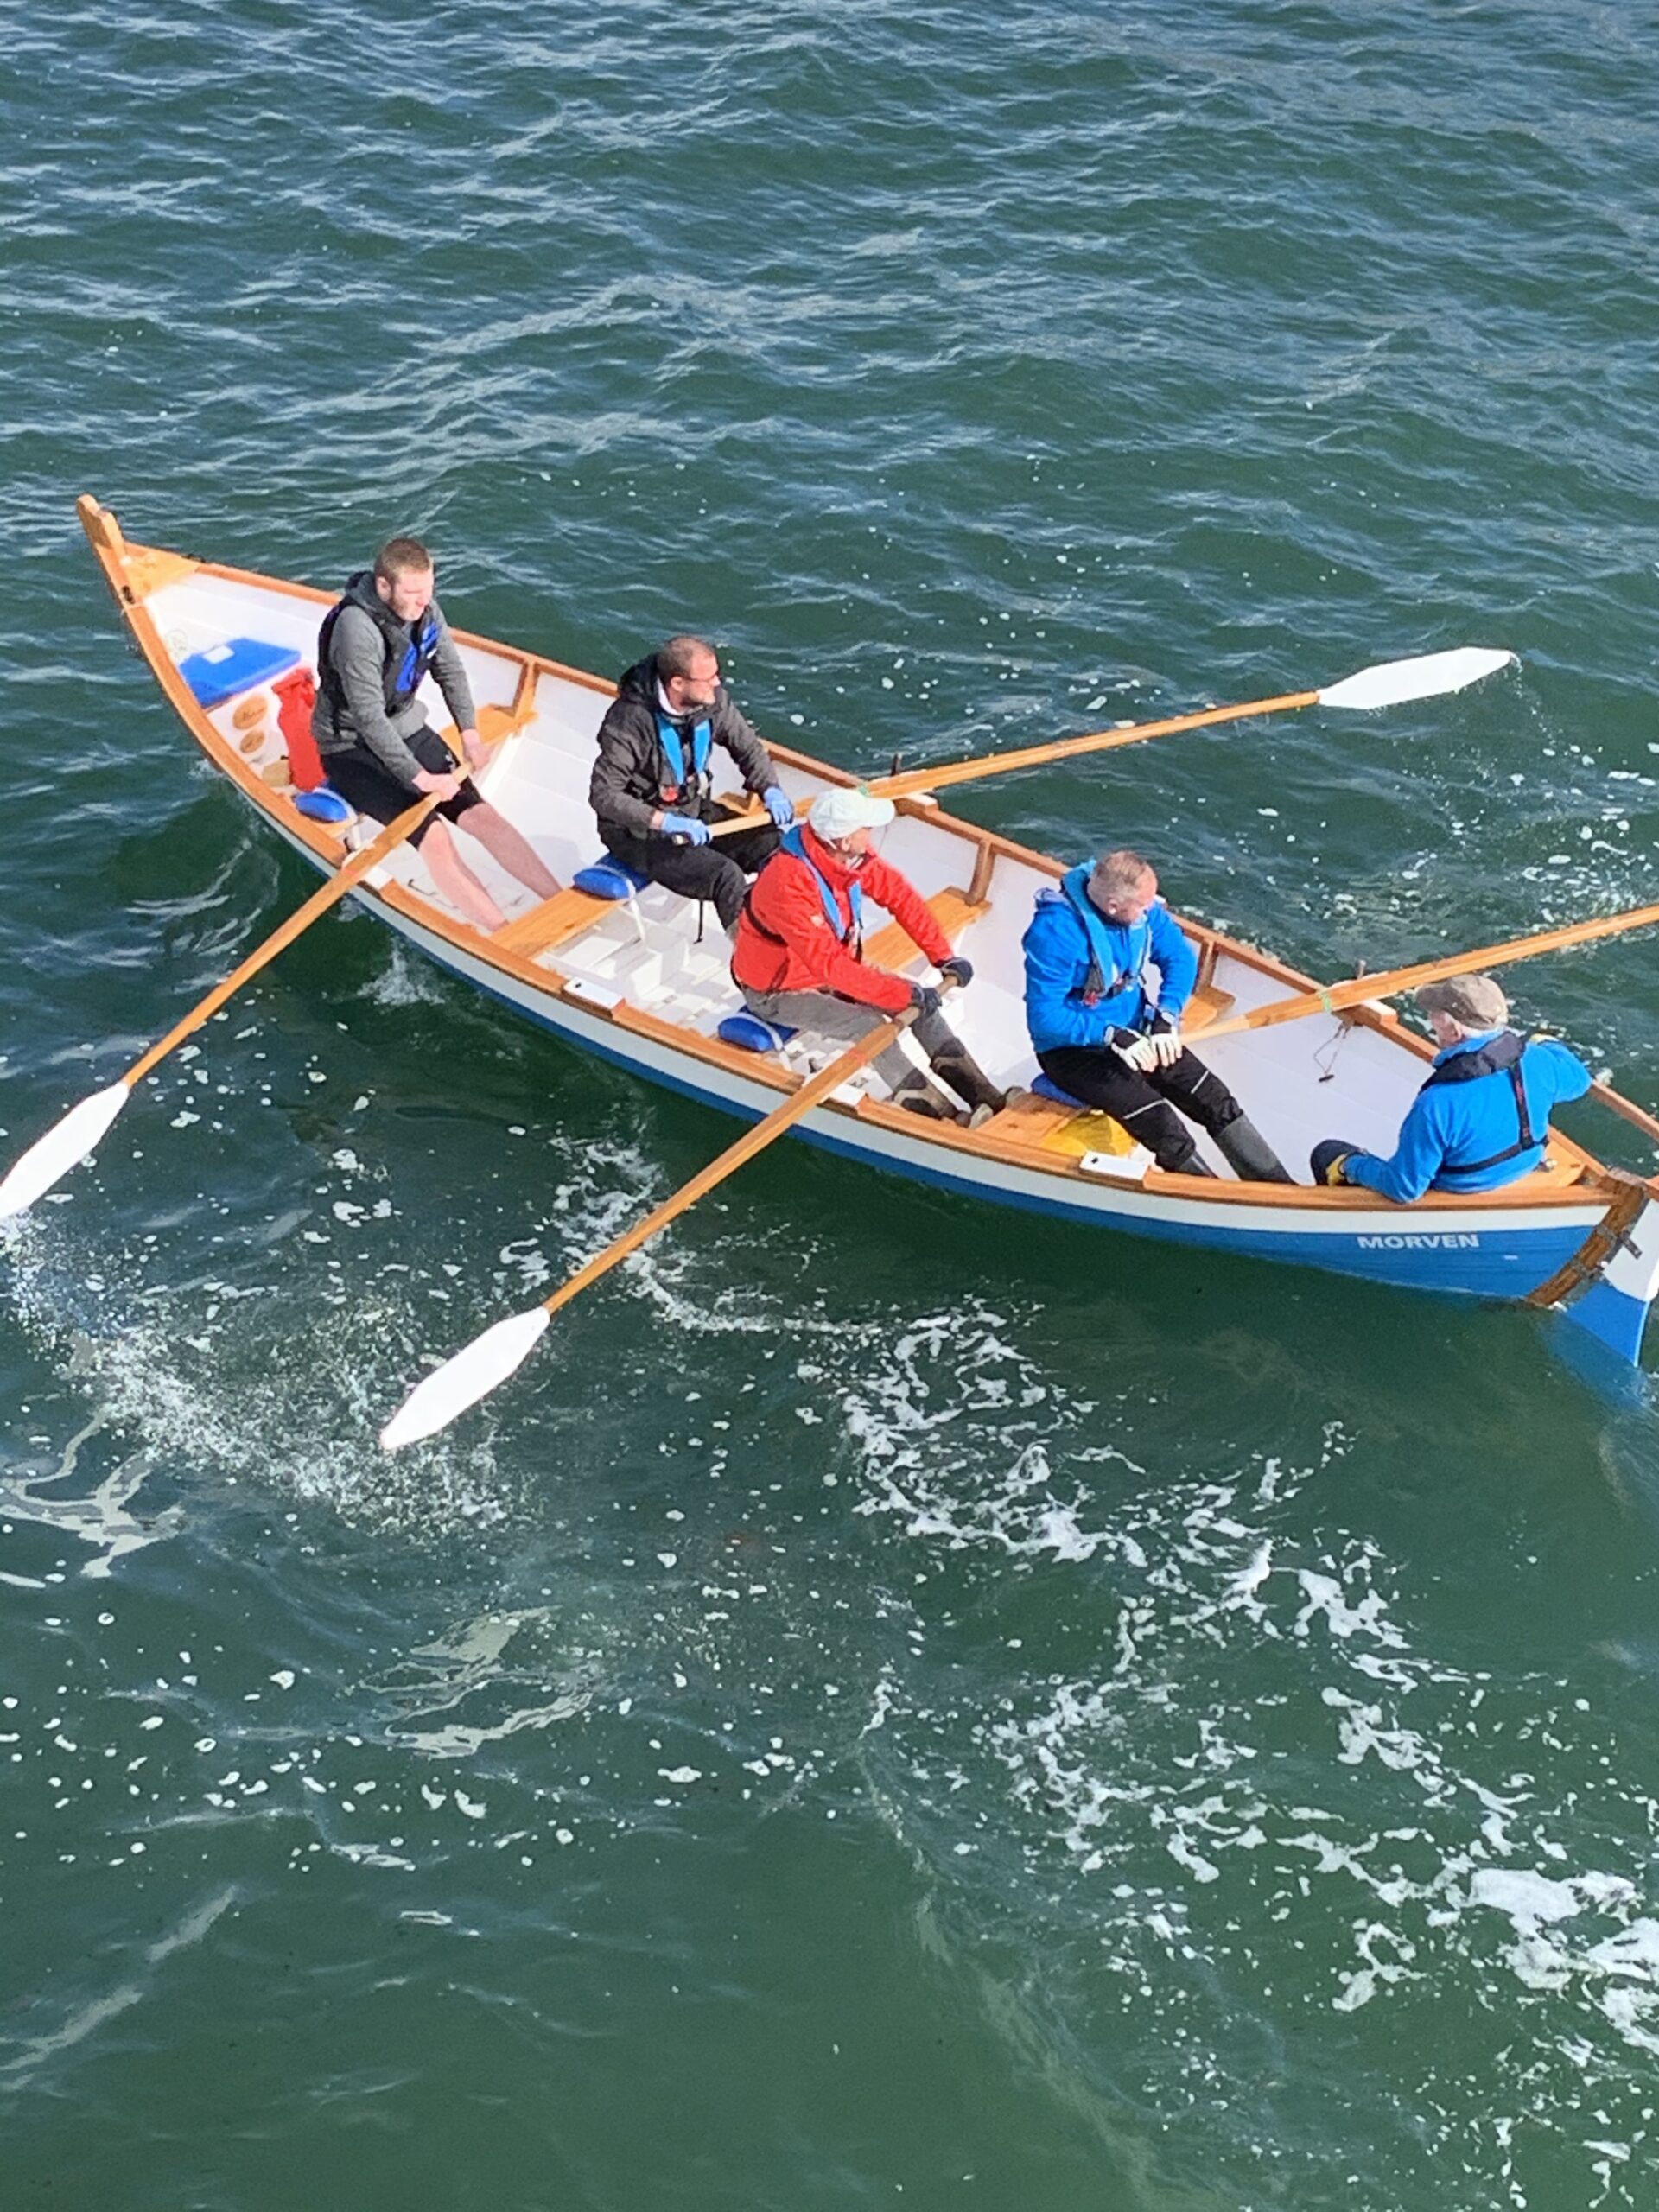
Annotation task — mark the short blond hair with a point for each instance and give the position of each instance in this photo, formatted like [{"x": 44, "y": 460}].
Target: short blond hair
[
  {"x": 1120, "y": 870},
  {"x": 402, "y": 556}
]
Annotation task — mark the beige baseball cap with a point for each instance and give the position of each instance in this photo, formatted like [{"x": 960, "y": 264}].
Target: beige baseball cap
[{"x": 1475, "y": 1000}]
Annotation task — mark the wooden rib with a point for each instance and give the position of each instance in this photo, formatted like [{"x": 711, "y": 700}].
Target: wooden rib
[
  {"x": 952, "y": 910},
  {"x": 979, "y": 883}
]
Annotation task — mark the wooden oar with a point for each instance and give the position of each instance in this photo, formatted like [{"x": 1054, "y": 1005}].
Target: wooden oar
[
  {"x": 1390, "y": 683},
  {"x": 72, "y": 1140},
  {"x": 1335, "y": 997},
  {"x": 471, "y": 1373}
]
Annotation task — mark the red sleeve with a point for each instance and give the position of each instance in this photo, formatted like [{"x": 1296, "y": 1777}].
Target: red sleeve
[
  {"x": 908, "y": 907},
  {"x": 785, "y": 898}
]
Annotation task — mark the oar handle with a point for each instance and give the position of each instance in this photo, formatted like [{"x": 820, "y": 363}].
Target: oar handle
[
  {"x": 753, "y": 817},
  {"x": 350, "y": 872}
]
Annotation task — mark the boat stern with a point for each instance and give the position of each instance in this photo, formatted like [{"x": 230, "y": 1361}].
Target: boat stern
[{"x": 1616, "y": 1284}]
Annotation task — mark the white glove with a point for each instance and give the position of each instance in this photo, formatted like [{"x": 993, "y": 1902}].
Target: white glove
[
  {"x": 1168, "y": 1046},
  {"x": 1136, "y": 1051}
]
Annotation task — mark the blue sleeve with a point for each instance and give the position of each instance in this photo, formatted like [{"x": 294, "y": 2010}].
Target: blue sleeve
[
  {"x": 1416, "y": 1161},
  {"x": 1051, "y": 950},
  {"x": 1565, "y": 1073},
  {"x": 1176, "y": 961}
]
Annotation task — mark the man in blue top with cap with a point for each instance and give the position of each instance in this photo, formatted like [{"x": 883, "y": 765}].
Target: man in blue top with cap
[
  {"x": 1482, "y": 1118},
  {"x": 1106, "y": 1035}
]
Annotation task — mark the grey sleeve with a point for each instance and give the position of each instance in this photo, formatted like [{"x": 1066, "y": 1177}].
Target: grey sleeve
[
  {"x": 617, "y": 765},
  {"x": 743, "y": 741},
  {"x": 355, "y": 653},
  {"x": 450, "y": 671}
]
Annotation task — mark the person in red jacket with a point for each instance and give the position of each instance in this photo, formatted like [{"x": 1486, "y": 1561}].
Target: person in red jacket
[{"x": 797, "y": 957}]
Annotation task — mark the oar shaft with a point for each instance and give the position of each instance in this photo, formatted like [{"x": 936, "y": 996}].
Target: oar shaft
[
  {"x": 1102, "y": 740},
  {"x": 1623, "y": 1108},
  {"x": 1036, "y": 756},
  {"x": 797, "y": 1104},
  {"x": 1392, "y": 981},
  {"x": 338, "y": 884}
]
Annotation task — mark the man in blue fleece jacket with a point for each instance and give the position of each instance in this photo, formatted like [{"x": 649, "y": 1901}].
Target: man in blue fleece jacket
[
  {"x": 1482, "y": 1118},
  {"x": 1104, "y": 1034}
]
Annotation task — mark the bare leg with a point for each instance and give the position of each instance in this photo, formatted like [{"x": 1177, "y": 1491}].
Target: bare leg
[
  {"x": 510, "y": 847},
  {"x": 455, "y": 880}
]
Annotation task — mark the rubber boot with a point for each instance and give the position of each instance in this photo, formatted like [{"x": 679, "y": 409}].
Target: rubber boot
[
  {"x": 957, "y": 1066},
  {"x": 918, "y": 1096},
  {"x": 1247, "y": 1153}
]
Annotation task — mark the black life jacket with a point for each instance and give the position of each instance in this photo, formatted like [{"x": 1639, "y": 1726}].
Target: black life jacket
[
  {"x": 409, "y": 648},
  {"x": 1501, "y": 1056}
]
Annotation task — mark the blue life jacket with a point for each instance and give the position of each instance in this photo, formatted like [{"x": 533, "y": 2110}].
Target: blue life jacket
[
  {"x": 1086, "y": 976},
  {"x": 1107, "y": 976},
  {"x": 681, "y": 786},
  {"x": 409, "y": 648}
]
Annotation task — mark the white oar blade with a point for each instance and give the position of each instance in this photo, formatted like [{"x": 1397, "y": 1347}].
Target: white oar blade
[
  {"x": 65, "y": 1145},
  {"x": 1391, "y": 683},
  {"x": 467, "y": 1377}
]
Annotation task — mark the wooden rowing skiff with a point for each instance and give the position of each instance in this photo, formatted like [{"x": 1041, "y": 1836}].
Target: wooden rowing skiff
[{"x": 631, "y": 980}]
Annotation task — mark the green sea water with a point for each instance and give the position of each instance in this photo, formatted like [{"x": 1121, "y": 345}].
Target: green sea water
[{"x": 898, "y": 1704}]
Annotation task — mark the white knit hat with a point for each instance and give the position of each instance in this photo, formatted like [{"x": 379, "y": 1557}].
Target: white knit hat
[{"x": 839, "y": 813}]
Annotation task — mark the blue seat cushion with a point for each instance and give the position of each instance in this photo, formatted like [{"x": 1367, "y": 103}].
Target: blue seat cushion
[
  {"x": 609, "y": 879},
  {"x": 1043, "y": 1086},
  {"x": 323, "y": 804},
  {"x": 219, "y": 672},
  {"x": 754, "y": 1035}
]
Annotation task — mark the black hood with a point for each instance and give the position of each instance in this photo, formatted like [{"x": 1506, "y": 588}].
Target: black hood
[{"x": 639, "y": 682}]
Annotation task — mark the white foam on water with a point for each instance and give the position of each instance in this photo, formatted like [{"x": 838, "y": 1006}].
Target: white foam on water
[{"x": 404, "y": 980}]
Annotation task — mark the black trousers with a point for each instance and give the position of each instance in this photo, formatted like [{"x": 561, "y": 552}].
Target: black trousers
[
  {"x": 364, "y": 781},
  {"x": 1146, "y": 1104},
  {"x": 719, "y": 873}
]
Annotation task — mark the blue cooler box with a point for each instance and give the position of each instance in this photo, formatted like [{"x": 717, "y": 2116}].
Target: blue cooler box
[{"x": 219, "y": 672}]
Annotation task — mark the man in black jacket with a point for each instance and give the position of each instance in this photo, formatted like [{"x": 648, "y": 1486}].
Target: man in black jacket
[{"x": 653, "y": 787}]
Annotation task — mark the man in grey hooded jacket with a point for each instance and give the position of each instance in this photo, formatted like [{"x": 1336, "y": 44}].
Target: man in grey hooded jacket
[{"x": 376, "y": 648}]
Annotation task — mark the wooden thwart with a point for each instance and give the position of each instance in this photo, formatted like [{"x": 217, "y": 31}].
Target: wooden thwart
[{"x": 553, "y": 923}]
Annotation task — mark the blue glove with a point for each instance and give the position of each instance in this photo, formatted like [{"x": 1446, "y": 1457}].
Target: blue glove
[
  {"x": 686, "y": 827},
  {"x": 778, "y": 805},
  {"x": 961, "y": 971},
  {"x": 925, "y": 1000}
]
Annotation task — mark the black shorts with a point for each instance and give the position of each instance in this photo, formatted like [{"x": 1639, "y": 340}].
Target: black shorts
[{"x": 364, "y": 781}]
